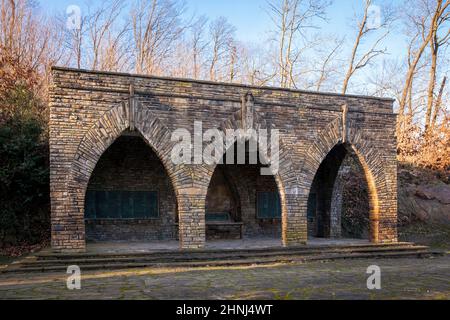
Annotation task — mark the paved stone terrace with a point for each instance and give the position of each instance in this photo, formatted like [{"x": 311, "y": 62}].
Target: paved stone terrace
[
  {"x": 344, "y": 279},
  {"x": 250, "y": 243}
]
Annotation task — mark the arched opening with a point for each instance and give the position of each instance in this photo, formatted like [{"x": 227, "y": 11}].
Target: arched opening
[
  {"x": 339, "y": 203},
  {"x": 241, "y": 203},
  {"x": 129, "y": 196}
]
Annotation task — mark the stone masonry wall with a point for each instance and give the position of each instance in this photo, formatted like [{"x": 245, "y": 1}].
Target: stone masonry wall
[
  {"x": 89, "y": 110},
  {"x": 130, "y": 165},
  {"x": 247, "y": 181}
]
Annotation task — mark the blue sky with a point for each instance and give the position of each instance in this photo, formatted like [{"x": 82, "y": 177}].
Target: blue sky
[
  {"x": 251, "y": 19},
  {"x": 253, "y": 24}
]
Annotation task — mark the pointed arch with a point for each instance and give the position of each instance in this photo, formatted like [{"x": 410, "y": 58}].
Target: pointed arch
[
  {"x": 111, "y": 125},
  {"x": 286, "y": 172},
  {"x": 293, "y": 226},
  {"x": 369, "y": 158}
]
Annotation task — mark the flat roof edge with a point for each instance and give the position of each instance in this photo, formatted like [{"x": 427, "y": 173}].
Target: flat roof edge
[{"x": 125, "y": 74}]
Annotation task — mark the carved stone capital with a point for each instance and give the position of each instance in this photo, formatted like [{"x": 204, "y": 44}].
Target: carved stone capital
[{"x": 247, "y": 110}]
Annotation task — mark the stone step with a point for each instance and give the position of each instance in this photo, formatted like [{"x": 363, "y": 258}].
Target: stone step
[
  {"x": 69, "y": 256},
  {"x": 188, "y": 259},
  {"x": 231, "y": 262},
  {"x": 192, "y": 256}
]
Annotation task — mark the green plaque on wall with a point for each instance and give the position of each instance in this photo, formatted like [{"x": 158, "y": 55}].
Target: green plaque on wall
[
  {"x": 268, "y": 205},
  {"x": 100, "y": 204}
]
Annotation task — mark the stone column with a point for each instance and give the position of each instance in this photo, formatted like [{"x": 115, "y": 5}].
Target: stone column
[
  {"x": 294, "y": 224},
  {"x": 336, "y": 203},
  {"x": 191, "y": 214},
  {"x": 68, "y": 231},
  {"x": 384, "y": 229}
]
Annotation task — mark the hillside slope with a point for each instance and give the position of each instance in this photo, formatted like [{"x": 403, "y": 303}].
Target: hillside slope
[{"x": 424, "y": 206}]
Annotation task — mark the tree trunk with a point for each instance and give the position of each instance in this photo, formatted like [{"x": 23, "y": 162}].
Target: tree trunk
[{"x": 434, "y": 47}]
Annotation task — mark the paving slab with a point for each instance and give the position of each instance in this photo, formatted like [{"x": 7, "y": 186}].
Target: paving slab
[
  {"x": 249, "y": 243},
  {"x": 408, "y": 278}
]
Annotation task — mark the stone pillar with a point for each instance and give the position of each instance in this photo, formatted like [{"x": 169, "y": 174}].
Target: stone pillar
[
  {"x": 336, "y": 203},
  {"x": 191, "y": 218},
  {"x": 385, "y": 227},
  {"x": 68, "y": 231},
  {"x": 294, "y": 224}
]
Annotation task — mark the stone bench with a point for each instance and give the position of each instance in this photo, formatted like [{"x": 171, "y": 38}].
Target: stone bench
[
  {"x": 220, "y": 225},
  {"x": 216, "y": 230}
]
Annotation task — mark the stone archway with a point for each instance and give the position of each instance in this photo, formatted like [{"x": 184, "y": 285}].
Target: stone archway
[
  {"x": 293, "y": 230},
  {"x": 242, "y": 203},
  {"x": 98, "y": 138},
  {"x": 85, "y": 120},
  {"x": 373, "y": 165},
  {"x": 325, "y": 202},
  {"x": 130, "y": 197}
]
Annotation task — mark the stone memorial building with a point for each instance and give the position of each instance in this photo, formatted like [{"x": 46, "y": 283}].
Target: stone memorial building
[{"x": 113, "y": 177}]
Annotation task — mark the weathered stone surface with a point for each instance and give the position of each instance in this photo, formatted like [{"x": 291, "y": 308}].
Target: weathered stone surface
[
  {"x": 406, "y": 278},
  {"x": 90, "y": 110},
  {"x": 131, "y": 165}
]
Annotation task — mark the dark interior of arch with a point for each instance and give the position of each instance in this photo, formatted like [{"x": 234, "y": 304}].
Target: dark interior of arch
[
  {"x": 241, "y": 202},
  {"x": 338, "y": 203},
  {"x": 130, "y": 196}
]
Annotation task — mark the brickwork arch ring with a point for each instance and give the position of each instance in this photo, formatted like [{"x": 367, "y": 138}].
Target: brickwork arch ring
[
  {"x": 286, "y": 178},
  {"x": 111, "y": 125},
  {"x": 369, "y": 158}
]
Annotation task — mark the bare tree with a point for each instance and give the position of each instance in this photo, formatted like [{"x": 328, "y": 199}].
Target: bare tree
[
  {"x": 232, "y": 60},
  {"x": 198, "y": 44},
  {"x": 292, "y": 18},
  {"x": 103, "y": 41},
  {"x": 388, "y": 80},
  {"x": 74, "y": 39},
  {"x": 25, "y": 34},
  {"x": 156, "y": 39},
  {"x": 327, "y": 67},
  {"x": 178, "y": 64},
  {"x": 438, "y": 103},
  {"x": 423, "y": 24},
  {"x": 255, "y": 67},
  {"x": 421, "y": 127},
  {"x": 156, "y": 26},
  {"x": 440, "y": 36},
  {"x": 221, "y": 34},
  {"x": 358, "y": 61},
  {"x": 29, "y": 45},
  {"x": 115, "y": 51}
]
